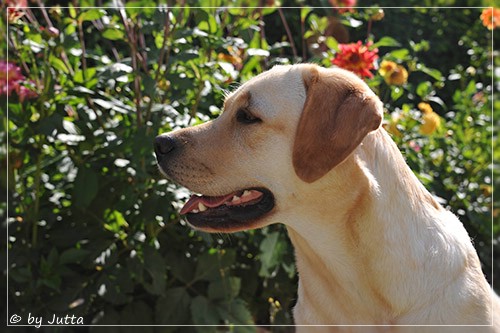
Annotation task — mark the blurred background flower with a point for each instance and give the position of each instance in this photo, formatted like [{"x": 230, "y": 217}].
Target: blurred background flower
[
  {"x": 430, "y": 120},
  {"x": 9, "y": 75},
  {"x": 491, "y": 18},
  {"x": 393, "y": 73},
  {"x": 15, "y": 9},
  {"x": 11, "y": 79},
  {"x": 357, "y": 58},
  {"x": 343, "y": 6}
]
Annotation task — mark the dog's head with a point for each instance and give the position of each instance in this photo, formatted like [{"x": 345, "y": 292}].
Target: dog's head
[{"x": 280, "y": 133}]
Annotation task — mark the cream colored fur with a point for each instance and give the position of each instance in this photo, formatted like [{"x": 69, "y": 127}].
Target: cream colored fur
[{"x": 372, "y": 245}]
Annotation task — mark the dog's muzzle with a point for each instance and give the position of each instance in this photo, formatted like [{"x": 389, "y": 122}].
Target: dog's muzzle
[{"x": 164, "y": 145}]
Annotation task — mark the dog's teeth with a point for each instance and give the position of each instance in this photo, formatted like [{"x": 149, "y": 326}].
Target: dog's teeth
[
  {"x": 202, "y": 207},
  {"x": 245, "y": 193},
  {"x": 195, "y": 211},
  {"x": 235, "y": 198}
]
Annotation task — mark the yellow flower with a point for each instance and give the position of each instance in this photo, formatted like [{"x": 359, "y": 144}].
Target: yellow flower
[
  {"x": 387, "y": 67},
  {"x": 430, "y": 119},
  {"x": 425, "y": 107},
  {"x": 392, "y": 125},
  {"x": 393, "y": 73},
  {"x": 487, "y": 189}
]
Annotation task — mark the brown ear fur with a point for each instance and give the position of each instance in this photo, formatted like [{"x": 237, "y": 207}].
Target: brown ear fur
[{"x": 337, "y": 116}]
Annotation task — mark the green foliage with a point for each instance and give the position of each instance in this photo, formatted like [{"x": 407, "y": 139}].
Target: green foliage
[{"x": 93, "y": 229}]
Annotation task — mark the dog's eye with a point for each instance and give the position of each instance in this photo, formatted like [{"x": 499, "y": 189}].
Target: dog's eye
[{"x": 245, "y": 117}]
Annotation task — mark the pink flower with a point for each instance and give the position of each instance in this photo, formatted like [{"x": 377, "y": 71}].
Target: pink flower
[
  {"x": 415, "y": 146},
  {"x": 51, "y": 32},
  {"x": 9, "y": 75},
  {"x": 11, "y": 79},
  {"x": 357, "y": 58},
  {"x": 24, "y": 92}
]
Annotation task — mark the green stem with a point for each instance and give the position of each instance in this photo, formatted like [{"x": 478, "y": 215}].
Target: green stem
[{"x": 38, "y": 176}]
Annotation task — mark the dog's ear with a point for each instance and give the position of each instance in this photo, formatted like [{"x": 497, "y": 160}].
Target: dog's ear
[{"x": 337, "y": 115}]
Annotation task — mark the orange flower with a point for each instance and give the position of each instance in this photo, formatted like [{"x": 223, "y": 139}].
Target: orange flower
[
  {"x": 393, "y": 73},
  {"x": 491, "y": 18},
  {"x": 356, "y": 58},
  {"x": 234, "y": 57}
]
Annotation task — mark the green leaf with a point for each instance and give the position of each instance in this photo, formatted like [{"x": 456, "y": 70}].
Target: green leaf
[
  {"x": 173, "y": 308},
  {"x": 424, "y": 89},
  {"x": 113, "y": 34},
  {"x": 271, "y": 252},
  {"x": 54, "y": 282},
  {"x": 116, "y": 221},
  {"x": 144, "y": 7},
  {"x": 182, "y": 268},
  {"x": 137, "y": 313},
  {"x": 34, "y": 46},
  {"x": 237, "y": 313},
  {"x": 351, "y": 22},
  {"x": 84, "y": 79},
  {"x": 53, "y": 258},
  {"x": 210, "y": 25},
  {"x": 21, "y": 274},
  {"x": 80, "y": 90},
  {"x": 257, "y": 52},
  {"x": 386, "y": 41},
  {"x": 396, "y": 93},
  {"x": 91, "y": 15},
  {"x": 437, "y": 100},
  {"x": 72, "y": 11},
  {"x": 204, "y": 313},
  {"x": 104, "y": 104},
  {"x": 155, "y": 266},
  {"x": 58, "y": 64},
  {"x": 85, "y": 187},
  {"x": 332, "y": 43},
  {"x": 211, "y": 266},
  {"x": 73, "y": 255},
  {"x": 304, "y": 11},
  {"x": 434, "y": 73},
  {"x": 226, "y": 288},
  {"x": 400, "y": 54}
]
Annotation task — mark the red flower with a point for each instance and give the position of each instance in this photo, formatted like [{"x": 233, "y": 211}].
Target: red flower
[
  {"x": 356, "y": 58},
  {"x": 15, "y": 9},
  {"x": 343, "y": 6}
]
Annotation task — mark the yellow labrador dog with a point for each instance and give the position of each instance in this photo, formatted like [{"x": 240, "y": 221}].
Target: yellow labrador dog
[{"x": 302, "y": 145}]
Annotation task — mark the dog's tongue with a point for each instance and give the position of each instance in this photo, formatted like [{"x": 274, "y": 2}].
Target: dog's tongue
[{"x": 210, "y": 202}]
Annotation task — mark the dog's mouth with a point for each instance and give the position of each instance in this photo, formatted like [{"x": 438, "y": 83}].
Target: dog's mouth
[{"x": 235, "y": 211}]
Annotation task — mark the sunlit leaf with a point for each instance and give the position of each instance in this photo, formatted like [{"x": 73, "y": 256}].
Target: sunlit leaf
[{"x": 91, "y": 15}]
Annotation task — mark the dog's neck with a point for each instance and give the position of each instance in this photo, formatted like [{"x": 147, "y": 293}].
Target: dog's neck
[{"x": 383, "y": 240}]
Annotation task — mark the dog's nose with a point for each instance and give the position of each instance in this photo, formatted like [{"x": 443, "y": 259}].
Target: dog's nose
[{"x": 164, "y": 144}]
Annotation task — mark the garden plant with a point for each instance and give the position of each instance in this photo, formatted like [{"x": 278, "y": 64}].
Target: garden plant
[{"x": 91, "y": 228}]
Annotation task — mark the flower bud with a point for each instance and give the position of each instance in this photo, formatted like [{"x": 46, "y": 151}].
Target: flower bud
[{"x": 378, "y": 16}]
